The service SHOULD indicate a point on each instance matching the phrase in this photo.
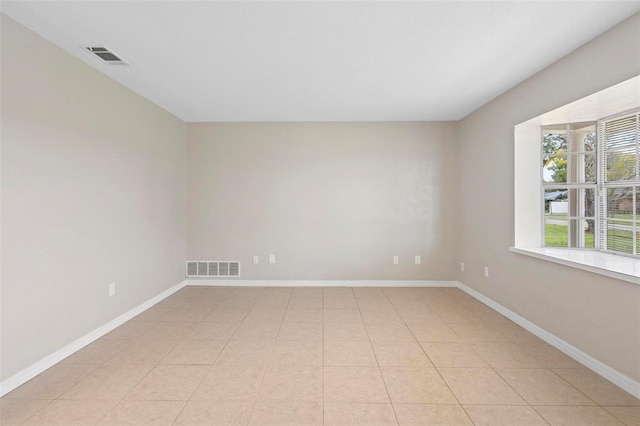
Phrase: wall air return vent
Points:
(106, 55)
(212, 268)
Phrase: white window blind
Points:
(619, 183)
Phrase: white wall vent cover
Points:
(210, 268)
(106, 55)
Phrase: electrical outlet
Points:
(112, 289)
(256, 260)
(396, 260)
(272, 259)
(462, 266)
(486, 272)
(418, 260)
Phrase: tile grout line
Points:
(268, 362)
(432, 363)
(255, 400)
(384, 383)
(500, 376)
(210, 366)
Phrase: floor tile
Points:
(153, 314)
(251, 330)
(52, 383)
(300, 331)
(416, 385)
(543, 387)
(69, 412)
(230, 384)
(479, 386)
(434, 332)
(169, 383)
(170, 330)
(189, 313)
(419, 316)
(354, 384)
(295, 413)
(265, 314)
(194, 352)
(339, 303)
(307, 293)
(146, 352)
(630, 416)
(97, 352)
(431, 414)
(17, 411)
(303, 315)
(577, 416)
(246, 353)
(375, 304)
(345, 331)
(297, 352)
(237, 303)
(291, 383)
(281, 355)
(368, 293)
(108, 382)
(549, 356)
(305, 302)
(474, 333)
(213, 330)
(199, 413)
(504, 415)
(505, 355)
(514, 332)
(456, 315)
(349, 353)
(226, 315)
(142, 413)
(381, 316)
(400, 354)
(452, 355)
(597, 388)
(389, 333)
(342, 316)
(348, 414)
(130, 330)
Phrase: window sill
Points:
(611, 265)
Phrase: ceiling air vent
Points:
(212, 268)
(106, 55)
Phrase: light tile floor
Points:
(350, 356)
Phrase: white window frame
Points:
(568, 186)
(603, 184)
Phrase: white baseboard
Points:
(50, 360)
(320, 283)
(625, 382)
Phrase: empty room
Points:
(320, 213)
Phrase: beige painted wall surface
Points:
(598, 315)
(93, 192)
(332, 201)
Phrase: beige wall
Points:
(332, 201)
(93, 192)
(599, 315)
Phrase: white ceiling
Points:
(321, 60)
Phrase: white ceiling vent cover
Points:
(213, 268)
(106, 55)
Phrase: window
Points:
(591, 184)
(569, 182)
(577, 184)
(620, 183)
